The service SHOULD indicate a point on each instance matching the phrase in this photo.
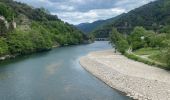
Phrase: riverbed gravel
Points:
(139, 81)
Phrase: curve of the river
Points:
(54, 75)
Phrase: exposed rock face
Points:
(23, 22)
(5, 25)
(5, 21)
(14, 24)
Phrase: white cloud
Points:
(80, 11)
(90, 16)
(66, 8)
(78, 1)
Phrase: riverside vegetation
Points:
(145, 46)
(152, 16)
(24, 29)
(142, 34)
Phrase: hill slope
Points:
(151, 16)
(89, 27)
(26, 29)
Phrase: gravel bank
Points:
(137, 80)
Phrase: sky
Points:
(82, 11)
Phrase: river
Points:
(54, 75)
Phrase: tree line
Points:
(141, 38)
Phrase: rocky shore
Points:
(139, 81)
(6, 57)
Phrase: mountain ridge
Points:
(89, 27)
(151, 16)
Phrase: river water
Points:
(54, 75)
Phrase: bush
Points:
(3, 47)
(6, 11)
(168, 58)
(24, 42)
(122, 45)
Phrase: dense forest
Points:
(24, 29)
(152, 16)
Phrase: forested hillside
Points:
(152, 16)
(147, 32)
(24, 29)
(89, 27)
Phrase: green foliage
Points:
(62, 33)
(6, 11)
(152, 16)
(3, 28)
(165, 29)
(168, 57)
(21, 42)
(146, 61)
(3, 47)
(37, 30)
(141, 38)
(156, 40)
(119, 41)
(155, 46)
(147, 51)
(122, 45)
(136, 36)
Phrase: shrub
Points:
(168, 58)
(122, 45)
(3, 47)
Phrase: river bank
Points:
(51, 75)
(137, 80)
(12, 56)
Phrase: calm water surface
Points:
(54, 75)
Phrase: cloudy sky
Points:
(80, 11)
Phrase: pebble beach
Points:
(137, 80)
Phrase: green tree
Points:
(118, 41)
(6, 11)
(137, 38)
(165, 29)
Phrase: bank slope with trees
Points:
(24, 29)
(152, 16)
(89, 27)
(144, 45)
(142, 34)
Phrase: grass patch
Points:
(153, 54)
(159, 57)
(147, 51)
(146, 61)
